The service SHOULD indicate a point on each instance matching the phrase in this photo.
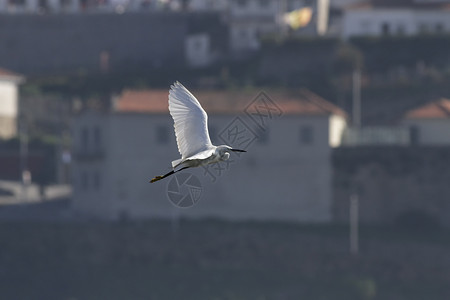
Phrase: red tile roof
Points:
(300, 102)
(435, 110)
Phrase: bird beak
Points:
(238, 150)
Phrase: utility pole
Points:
(282, 27)
(25, 175)
(356, 109)
(323, 8)
(354, 220)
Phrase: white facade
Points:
(344, 3)
(8, 98)
(429, 131)
(285, 175)
(337, 126)
(394, 21)
(249, 20)
(9, 103)
(429, 124)
(36, 6)
(208, 5)
(78, 6)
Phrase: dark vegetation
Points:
(220, 260)
(400, 72)
(41, 160)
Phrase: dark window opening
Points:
(84, 139)
(306, 135)
(84, 181)
(162, 135)
(385, 29)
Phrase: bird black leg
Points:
(166, 175)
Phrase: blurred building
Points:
(129, 42)
(208, 5)
(396, 18)
(430, 124)
(251, 20)
(35, 6)
(9, 103)
(82, 6)
(286, 174)
(399, 171)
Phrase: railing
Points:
(376, 135)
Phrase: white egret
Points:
(191, 131)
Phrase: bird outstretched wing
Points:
(190, 121)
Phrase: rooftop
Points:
(396, 4)
(439, 109)
(299, 102)
(9, 75)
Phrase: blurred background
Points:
(342, 105)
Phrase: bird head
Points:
(224, 151)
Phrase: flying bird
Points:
(191, 131)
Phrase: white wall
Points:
(8, 109)
(251, 21)
(8, 98)
(431, 19)
(337, 126)
(216, 5)
(323, 8)
(370, 22)
(400, 21)
(254, 8)
(431, 131)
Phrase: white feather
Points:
(190, 122)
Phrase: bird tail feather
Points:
(176, 163)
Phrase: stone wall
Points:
(393, 183)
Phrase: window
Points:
(414, 135)
(84, 181)
(97, 138)
(423, 28)
(198, 44)
(264, 3)
(307, 134)
(385, 29)
(162, 135)
(96, 180)
(401, 29)
(241, 3)
(243, 33)
(43, 4)
(65, 3)
(262, 136)
(84, 139)
(17, 2)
